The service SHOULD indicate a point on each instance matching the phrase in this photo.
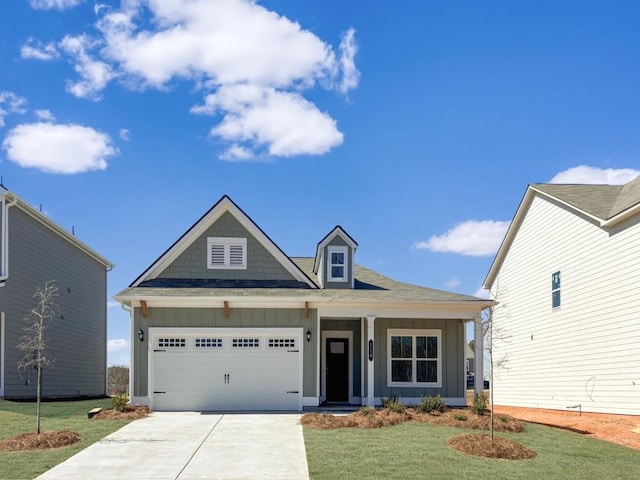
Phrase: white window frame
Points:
(415, 333)
(556, 289)
(226, 243)
(345, 252)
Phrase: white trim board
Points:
(2, 345)
(348, 334)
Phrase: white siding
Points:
(587, 351)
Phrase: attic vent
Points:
(226, 253)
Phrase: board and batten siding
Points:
(77, 336)
(452, 357)
(214, 318)
(192, 263)
(586, 352)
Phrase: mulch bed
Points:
(384, 418)
(480, 445)
(39, 441)
(131, 412)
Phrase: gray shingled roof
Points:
(602, 201)
(369, 286)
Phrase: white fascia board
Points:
(519, 217)
(630, 212)
(337, 231)
(223, 206)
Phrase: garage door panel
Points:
(258, 369)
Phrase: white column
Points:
(371, 401)
(478, 356)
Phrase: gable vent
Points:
(227, 253)
(236, 254)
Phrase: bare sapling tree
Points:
(33, 343)
(118, 378)
(494, 335)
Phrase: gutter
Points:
(4, 242)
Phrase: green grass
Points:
(19, 417)
(418, 451)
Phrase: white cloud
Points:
(39, 51)
(453, 283)
(482, 293)
(348, 51)
(584, 174)
(223, 47)
(118, 345)
(45, 115)
(54, 4)
(94, 74)
(283, 122)
(58, 148)
(11, 103)
(474, 238)
(124, 134)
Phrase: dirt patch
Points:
(480, 445)
(612, 428)
(131, 412)
(383, 418)
(39, 441)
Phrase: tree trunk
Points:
(38, 394)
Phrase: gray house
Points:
(33, 250)
(225, 320)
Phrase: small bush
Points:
(430, 404)
(479, 406)
(503, 418)
(391, 399)
(460, 416)
(395, 405)
(119, 402)
(367, 411)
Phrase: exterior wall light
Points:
(141, 335)
(308, 335)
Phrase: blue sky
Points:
(415, 125)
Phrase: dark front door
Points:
(337, 370)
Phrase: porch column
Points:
(478, 338)
(371, 401)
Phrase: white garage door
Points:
(225, 369)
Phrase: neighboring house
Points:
(567, 283)
(470, 360)
(225, 320)
(34, 250)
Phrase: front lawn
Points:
(19, 417)
(418, 451)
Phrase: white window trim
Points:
(338, 249)
(226, 242)
(415, 333)
(558, 289)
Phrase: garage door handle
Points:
(293, 391)
(156, 350)
(293, 351)
(159, 392)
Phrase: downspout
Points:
(4, 256)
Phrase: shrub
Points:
(430, 403)
(393, 404)
(479, 406)
(367, 411)
(503, 418)
(460, 416)
(119, 402)
(391, 399)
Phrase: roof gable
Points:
(605, 204)
(224, 208)
(337, 231)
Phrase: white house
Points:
(567, 283)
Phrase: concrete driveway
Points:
(190, 445)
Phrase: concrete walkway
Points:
(190, 445)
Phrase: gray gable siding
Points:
(77, 337)
(453, 348)
(337, 241)
(214, 318)
(192, 263)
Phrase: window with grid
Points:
(282, 343)
(245, 343)
(338, 268)
(226, 253)
(414, 358)
(208, 343)
(555, 289)
(172, 342)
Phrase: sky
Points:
(416, 126)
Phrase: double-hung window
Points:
(414, 358)
(226, 253)
(555, 289)
(338, 268)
